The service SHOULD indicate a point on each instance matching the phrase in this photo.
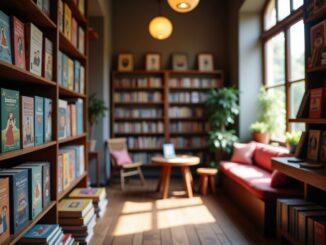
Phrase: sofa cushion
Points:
(279, 179)
(264, 153)
(256, 180)
(121, 157)
(242, 153)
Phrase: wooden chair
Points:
(125, 170)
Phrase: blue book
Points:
(79, 116)
(77, 76)
(39, 120)
(5, 38)
(46, 182)
(19, 199)
(65, 70)
(60, 57)
(40, 233)
(47, 120)
(34, 188)
(62, 119)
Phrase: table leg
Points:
(159, 183)
(187, 177)
(166, 181)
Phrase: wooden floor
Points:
(137, 216)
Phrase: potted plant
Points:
(259, 132)
(222, 107)
(292, 139)
(96, 110)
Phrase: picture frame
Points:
(125, 62)
(318, 36)
(153, 62)
(180, 62)
(205, 62)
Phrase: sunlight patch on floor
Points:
(137, 207)
(133, 223)
(178, 202)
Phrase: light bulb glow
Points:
(160, 28)
(183, 6)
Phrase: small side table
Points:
(205, 174)
(96, 155)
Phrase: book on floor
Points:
(27, 117)
(34, 48)
(96, 194)
(74, 208)
(18, 37)
(39, 120)
(48, 107)
(4, 210)
(78, 221)
(5, 38)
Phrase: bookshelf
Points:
(27, 83)
(314, 180)
(157, 120)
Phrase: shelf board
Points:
(192, 88)
(72, 185)
(319, 68)
(316, 17)
(75, 12)
(138, 119)
(308, 120)
(15, 238)
(73, 138)
(22, 152)
(314, 177)
(145, 149)
(196, 72)
(67, 92)
(188, 119)
(138, 104)
(14, 73)
(187, 133)
(138, 89)
(186, 104)
(138, 72)
(69, 49)
(28, 11)
(137, 134)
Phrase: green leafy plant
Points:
(222, 107)
(258, 127)
(96, 110)
(292, 138)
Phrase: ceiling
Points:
(252, 6)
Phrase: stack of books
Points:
(43, 234)
(77, 217)
(98, 195)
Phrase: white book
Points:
(34, 48)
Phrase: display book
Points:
(77, 216)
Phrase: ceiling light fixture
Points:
(160, 27)
(183, 6)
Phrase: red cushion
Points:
(264, 153)
(242, 153)
(256, 180)
(279, 179)
(121, 157)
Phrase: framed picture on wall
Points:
(180, 62)
(125, 62)
(205, 62)
(153, 61)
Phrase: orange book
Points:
(316, 103)
(4, 210)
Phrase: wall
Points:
(202, 30)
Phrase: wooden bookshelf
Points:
(27, 83)
(202, 82)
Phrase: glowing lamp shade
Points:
(183, 6)
(160, 28)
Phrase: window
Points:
(284, 52)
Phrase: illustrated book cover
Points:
(39, 120)
(18, 37)
(27, 115)
(5, 38)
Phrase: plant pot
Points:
(91, 145)
(261, 137)
(292, 148)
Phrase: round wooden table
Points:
(181, 161)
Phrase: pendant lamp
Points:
(183, 6)
(160, 27)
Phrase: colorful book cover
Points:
(47, 120)
(81, 6)
(27, 114)
(19, 199)
(313, 145)
(46, 7)
(48, 59)
(5, 38)
(41, 233)
(72, 162)
(68, 126)
(81, 40)
(81, 159)
(46, 183)
(316, 103)
(77, 161)
(74, 207)
(73, 120)
(34, 188)
(67, 21)
(4, 210)
(60, 15)
(10, 120)
(65, 70)
(65, 166)
(96, 194)
(18, 33)
(318, 36)
(82, 80)
(39, 120)
(34, 48)
(74, 32)
(39, 3)
(70, 74)
(60, 174)
(62, 119)
(76, 76)
(59, 73)
(79, 116)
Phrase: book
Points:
(320, 232)
(39, 3)
(62, 119)
(48, 119)
(67, 21)
(313, 145)
(79, 116)
(46, 7)
(60, 69)
(39, 120)
(60, 15)
(34, 48)
(303, 109)
(5, 38)
(302, 223)
(316, 103)
(70, 80)
(81, 6)
(60, 174)
(311, 228)
(299, 150)
(4, 210)
(322, 151)
(46, 183)
(74, 208)
(77, 76)
(67, 239)
(48, 59)
(27, 115)
(65, 167)
(68, 126)
(19, 199)
(82, 80)
(10, 120)
(73, 119)
(81, 40)
(72, 163)
(77, 221)
(18, 37)
(318, 36)
(34, 188)
(74, 32)
(65, 70)
(40, 233)
(96, 194)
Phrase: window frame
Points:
(266, 35)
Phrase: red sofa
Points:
(256, 187)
